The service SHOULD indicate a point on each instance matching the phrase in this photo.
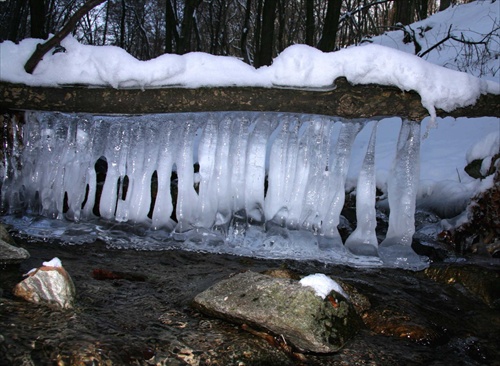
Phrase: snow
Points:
(473, 21)
(322, 285)
(54, 262)
(486, 147)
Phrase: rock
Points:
(284, 307)
(282, 273)
(480, 281)
(394, 323)
(49, 284)
(10, 254)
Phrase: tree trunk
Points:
(170, 27)
(346, 100)
(15, 21)
(423, 6)
(184, 44)
(310, 22)
(37, 9)
(257, 32)
(106, 20)
(444, 4)
(329, 36)
(122, 25)
(245, 53)
(403, 12)
(281, 24)
(267, 33)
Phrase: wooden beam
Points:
(346, 100)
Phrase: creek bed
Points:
(145, 317)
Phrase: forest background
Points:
(252, 30)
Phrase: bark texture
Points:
(345, 100)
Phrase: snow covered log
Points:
(346, 100)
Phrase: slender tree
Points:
(245, 53)
(37, 10)
(122, 24)
(309, 22)
(444, 4)
(171, 34)
(329, 36)
(188, 22)
(267, 33)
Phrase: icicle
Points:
(282, 171)
(302, 168)
(116, 155)
(402, 188)
(322, 133)
(255, 164)
(168, 142)
(363, 240)
(206, 159)
(237, 160)
(222, 173)
(335, 195)
(187, 198)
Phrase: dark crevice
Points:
(154, 192)
(101, 169)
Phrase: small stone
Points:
(285, 308)
(47, 285)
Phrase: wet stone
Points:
(480, 281)
(47, 285)
(283, 307)
(398, 323)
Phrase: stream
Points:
(144, 316)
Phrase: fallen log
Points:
(345, 100)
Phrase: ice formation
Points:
(260, 184)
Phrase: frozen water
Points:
(258, 184)
(402, 188)
(363, 240)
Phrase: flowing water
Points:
(143, 316)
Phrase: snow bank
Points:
(485, 148)
(473, 21)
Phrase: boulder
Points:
(9, 253)
(283, 307)
(49, 284)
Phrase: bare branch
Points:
(43, 48)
